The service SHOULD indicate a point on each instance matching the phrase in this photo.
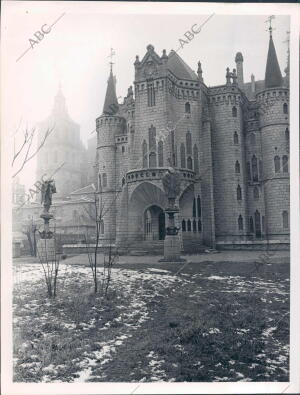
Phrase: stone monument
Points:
(46, 244)
(171, 184)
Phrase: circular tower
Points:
(108, 126)
(226, 106)
(274, 125)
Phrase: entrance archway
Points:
(154, 223)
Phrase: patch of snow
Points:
(267, 332)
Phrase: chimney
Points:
(252, 83)
(239, 68)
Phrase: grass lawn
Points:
(212, 322)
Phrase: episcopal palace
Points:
(230, 144)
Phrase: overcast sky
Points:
(75, 52)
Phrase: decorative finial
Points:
(164, 54)
(112, 53)
(234, 77)
(150, 48)
(228, 75)
(199, 71)
(269, 20)
(137, 60)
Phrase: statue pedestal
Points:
(172, 249)
(46, 250)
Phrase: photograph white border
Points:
(10, 388)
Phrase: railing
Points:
(156, 174)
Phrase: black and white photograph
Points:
(149, 197)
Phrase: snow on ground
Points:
(146, 285)
(135, 314)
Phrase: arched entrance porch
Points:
(154, 223)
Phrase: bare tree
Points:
(26, 151)
(50, 265)
(30, 229)
(97, 214)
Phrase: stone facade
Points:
(230, 143)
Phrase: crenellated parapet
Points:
(109, 120)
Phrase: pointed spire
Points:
(273, 77)
(60, 107)
(287, 69)
(111, 105)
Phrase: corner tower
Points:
(108, 126)
(274, 126)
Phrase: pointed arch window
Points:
(251, 225)
(285, 220)
(99, 182)
(257, 223)
(183, 225)
(152, 138)
(234, 112)
(187, 108)
(189, 225)
(145, 155)
(104, 180)
(285, 164)
(277, 164)
(182, 156)
(254, 169)
(160, 154)
(152, 159)
(199, 225)
(194, 208)
(263, 224)
(101, 227)
(237, 167)
(240, 223)
(239, 192)
(75, 216)
(194, 226)
(248, 171)
(196, 159)
(199, 206)
(255, 193)
(260, 169)
(235, 138)
(190, 163)
(285, 108)
(287, 135)
(151, 94)
(189, 143)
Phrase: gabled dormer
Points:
(151, 66)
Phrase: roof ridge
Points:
(179, 67)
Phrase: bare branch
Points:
(26, 146)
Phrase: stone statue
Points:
(48, 188)
(171, 183)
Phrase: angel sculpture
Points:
(47, 189)
(171, 183)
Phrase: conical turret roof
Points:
(273, 77)
(111, 105)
